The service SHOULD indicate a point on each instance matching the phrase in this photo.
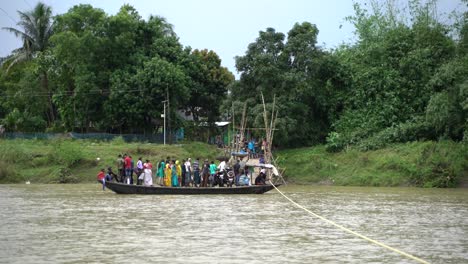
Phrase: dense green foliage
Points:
(406, 80)
(109, 73)
(422, 164)
(71, 161)
(403, 79)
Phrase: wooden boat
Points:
(121, 188)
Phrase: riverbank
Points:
(74, 161)
(421, 164)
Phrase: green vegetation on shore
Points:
(403, 78)
(72, 161)
(421, 164)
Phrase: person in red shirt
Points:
(128, 168)
(101, 177)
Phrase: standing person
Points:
(128, 168)
(222, 170)
(183, 183)
(205, 173)
(196, 173)
(188, 172)
(212, 173)
(236, 169)
(148, 178)
(251, 146)
(179, 172)
(139, 170)
(119, 166)
(160, 172)
(222, 165)
(132, 168)
(168, 174)
(174, 179)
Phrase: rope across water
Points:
(351, 231)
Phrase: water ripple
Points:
(80, 223)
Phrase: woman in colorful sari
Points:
(160, 172)
(175, 180)
(179, 172)
(168, 174)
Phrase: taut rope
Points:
(351, 231)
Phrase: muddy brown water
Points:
(82, 224)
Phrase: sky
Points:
(226, 27)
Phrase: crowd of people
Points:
(188, 173)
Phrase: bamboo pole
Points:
(233, 130)
(272, 116)
(267, 132)
(274, 127)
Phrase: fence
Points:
(153, 138)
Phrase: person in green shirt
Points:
(160, 172)
(212, 173)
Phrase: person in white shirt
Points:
(188, 172)
(139, 170)
(222, 166)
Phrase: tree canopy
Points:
(403, 79)
(109, 73)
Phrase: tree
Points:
(35, 31)
(297, 73)
(80, 69)
(390, 68)
(209, 81)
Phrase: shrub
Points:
(441, 164)
(334, 142)
(65, 176)
(14, 153)
(118, 140)
(7, 173)
(413, 130)
(66, 153)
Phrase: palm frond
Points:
(13, 60)
(36, 30)
(18, 33)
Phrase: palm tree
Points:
(35, 30)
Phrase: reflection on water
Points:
(81, 223)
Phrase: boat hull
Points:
(139, 189)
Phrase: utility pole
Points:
(164, 115)
(169, 112)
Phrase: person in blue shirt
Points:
(251, 147)
(244, 179)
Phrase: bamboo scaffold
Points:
(239, 135)
(270, 127)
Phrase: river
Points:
(82, 224)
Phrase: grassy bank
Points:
(72, 161)
(424, 164)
